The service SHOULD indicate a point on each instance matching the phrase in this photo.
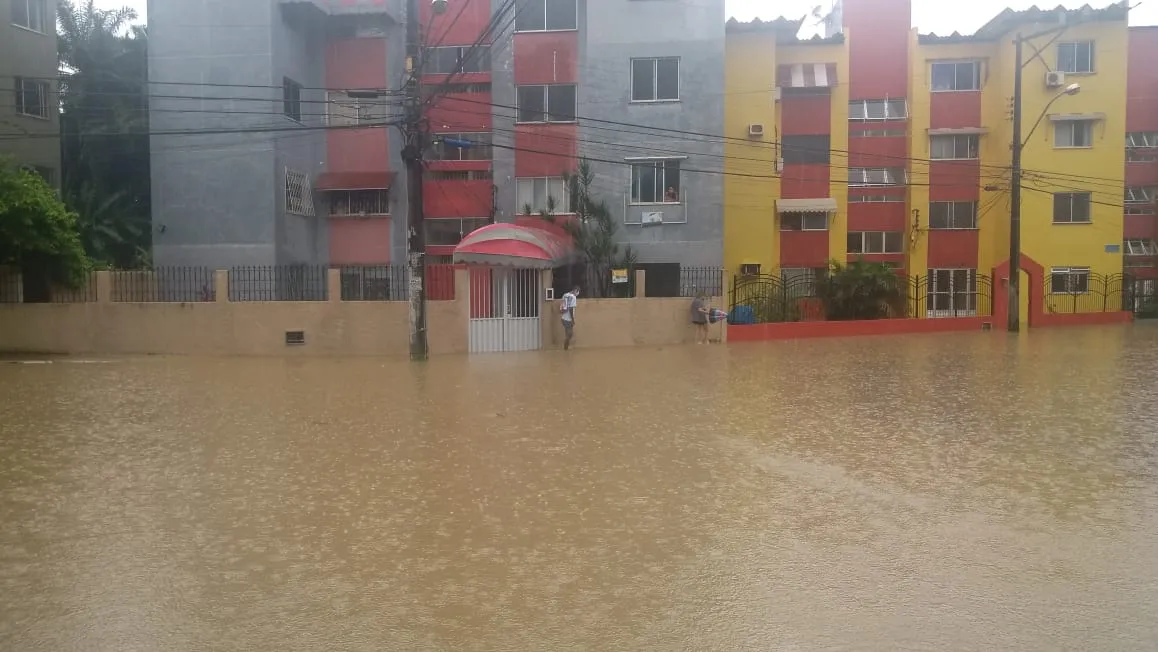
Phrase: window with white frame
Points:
(955, 146)
(546, 103)
(537, 194)
(1138, 209)
(952, 215)
(951, 293)
(474, 146)
(655, 182)
(299, 196)
(802, 275)
(458, 175)
(876, 177)
(1140, 155)
(878, 110)
(359, 202)
(810, 221)
(547, 15)
(1071, 208)
(1073, 133)
(655, 79)
(291, 95)
(347, 109)
(750, 269)
(875, 242)
(32, 97)
(1142, 139)
(32, 14)
(1137, 247)
(875, 198)
(956, 76)
(1075, 56)
(1139, 195)
(447, 232)
(1069, 280)
(457, 58)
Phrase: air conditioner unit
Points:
(755, 130)
(652, 218)
(1055, 79)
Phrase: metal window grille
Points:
(299, 196)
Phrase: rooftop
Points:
(1010, 19)
(784, 28)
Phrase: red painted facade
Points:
(546, 58)
(954, 180)
(953, 249)
(888, 152)
(804, 181)
(806, 115)
(878, 32)
(803, 248)
(954, 109)
(544, 150)
(1142, 116)
(877, 216)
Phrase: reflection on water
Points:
(938, 492)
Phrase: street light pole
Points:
(1014, 323)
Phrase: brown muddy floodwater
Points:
(959, 492)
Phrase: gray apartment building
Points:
(29, 107)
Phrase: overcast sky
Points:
(928, 15)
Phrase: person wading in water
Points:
(567, 313)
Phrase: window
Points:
(1139, 209)
(549, 103)
(1139, 195)
(813, 221)
(877, 133)
(450, 60)
(957, 76)
(461, 147)
(1069, 280)
(1142, 139)
(1075, 57)
(547, 15)
(876, 176)
(346, 109)
(1071, 208)
(32, 97)
(458, 175)
(291, 94)
(875, 198)
(957, 146)
(750, 269)
(875, 242)
(1140, 155)
(31, 14)
(1140, 248)
(542, 194)
(444, 232)
(360, 202)
(806, 149)
(429, 91)
(299, 197)
(791, 275)
(952, 293)
(1073, 133)
(655, 80)
(953, 215)
(655, 182)
(877, 110)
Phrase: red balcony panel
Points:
(440, 250)
(954, 110)
(804, 248)
(545, 150)
(460, 25)
(1148, 272)
(877, 217)
(1139, 226)
(460, 112)
(356, 63)
(355, 241)
(1143, 173)
(547, 58)
(357, 150)
(887, 152)
(457, 166)
(879, 37)
(954, 180)
(1142, 79)
(455, 198)
(801, 181)
(953, 249)
(806, 115)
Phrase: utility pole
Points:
(1015, 198)
(412, 151)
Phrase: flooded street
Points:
(958, 492)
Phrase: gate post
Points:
(547, 312)
(640, 283)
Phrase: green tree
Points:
(104, 128)
(861, 290)
(38, 234)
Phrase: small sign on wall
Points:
(1113, 248)
(619, 276)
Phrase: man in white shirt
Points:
(567, 313)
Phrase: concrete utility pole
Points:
(1014, 321)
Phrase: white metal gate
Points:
(505, 306)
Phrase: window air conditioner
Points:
(755, 130)
(1055, 79)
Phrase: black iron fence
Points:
(83, 293)
(278, 283)
(163, 284)
(1078, 291)
(374, 282)
(10, 285)
(948, 293)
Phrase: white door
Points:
(505, 310)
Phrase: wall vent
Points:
(295, 337)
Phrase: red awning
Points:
(354, 181)
(514, 245)
(806, 75)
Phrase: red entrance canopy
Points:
(514, 245)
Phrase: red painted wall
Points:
(878, 48)
(457, 198)
(1139, 226)
(357, 63)
(359, 241)
(804, 181)
(805, 115)
(803, 248)
(545, 150)
(1142, 173)
(890, 152)
(953, 110)
(954, 180)
(461, 112)
(547, 58)
(1142, 80)
(877, 216)
(952, 249)
(460, 24)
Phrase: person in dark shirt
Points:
(700, 317)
